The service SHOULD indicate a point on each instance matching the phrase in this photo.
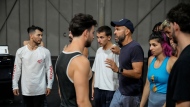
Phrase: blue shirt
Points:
(158, 77)
(130, 53)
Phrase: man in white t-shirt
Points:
(33, 63)
(105, 81)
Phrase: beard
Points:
(37, 43)
(174, 37)
(88, 43)
(120, 40)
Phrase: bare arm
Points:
(146, 92)
(81, 80)
(146, 89)
(171, 62)
(58, 86)
(136, 72)
(93, 86)
(183, 104)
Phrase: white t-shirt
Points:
(105, 78)
(33, 66)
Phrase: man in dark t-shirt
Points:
(178, 90)
(130, 66)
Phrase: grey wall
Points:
(54, 16)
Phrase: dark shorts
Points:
(102, 98)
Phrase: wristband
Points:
(120, 71)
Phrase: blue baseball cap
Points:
(123, 22)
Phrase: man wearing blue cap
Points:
(130, 66)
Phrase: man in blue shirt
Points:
(130, 66)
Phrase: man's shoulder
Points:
(99, 49)
(80, 60)
(44, 49)
(135, 44)
(21, 49)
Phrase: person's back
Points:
(74, 88)
(65, 84)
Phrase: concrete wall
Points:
(54, 16)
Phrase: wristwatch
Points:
(120, 71)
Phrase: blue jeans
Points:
(156, 99)
(120, 100)
(102, 98)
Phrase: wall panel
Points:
(3, 38)
(91, 8)
(65, 8)
(79, 6)
(54, 16)
(24, 20)
(118, 12)
(39, 16)
(52, 29)
(13, 34)
(144, 27)
(132, 15)
(158, 14)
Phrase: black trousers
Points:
(34, 101)
(102, 98)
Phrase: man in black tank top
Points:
(72, 68)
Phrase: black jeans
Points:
(102, 98)
(34, 101)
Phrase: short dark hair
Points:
(181, 15)
(105, 29)
(33, 28)
(156, 26)
(80, 23)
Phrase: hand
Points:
(115, 49)
(164, 105)
(16, 92)
(112, 65)
(92, 98)
(48, 90)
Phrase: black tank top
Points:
(67, 89)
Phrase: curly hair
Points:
(181, 15)
(80, 23)
(163, 40)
